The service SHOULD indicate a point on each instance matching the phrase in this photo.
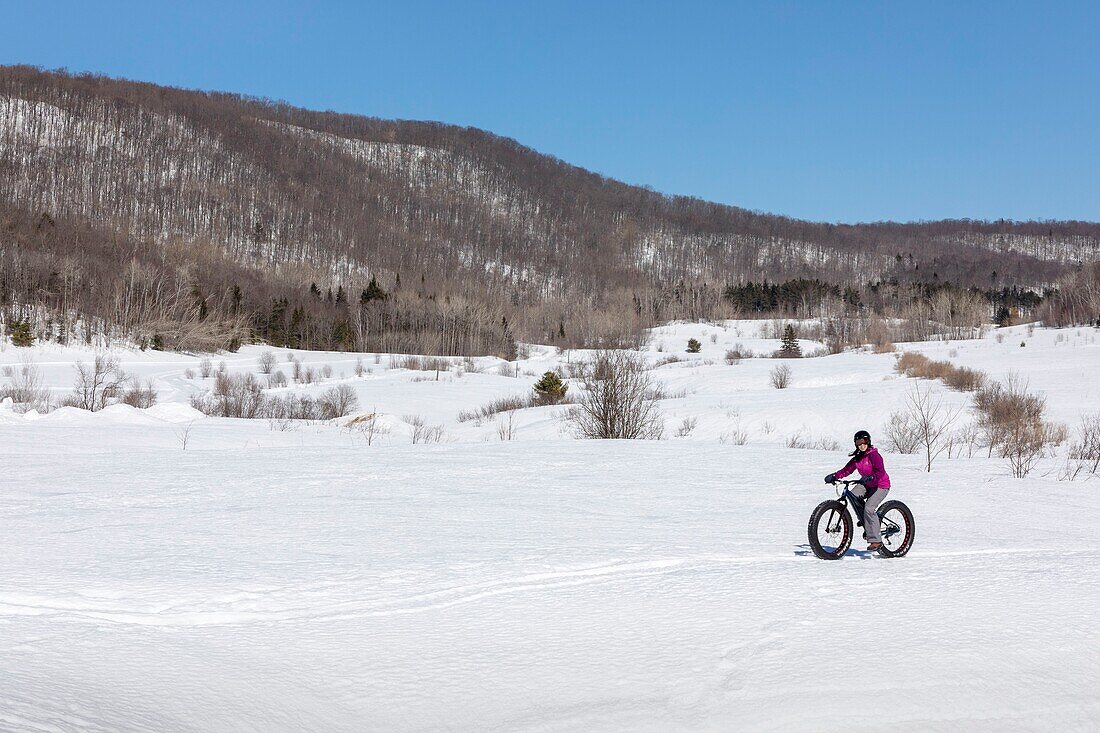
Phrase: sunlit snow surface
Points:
(270, 579)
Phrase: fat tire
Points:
(821, 514)
(911, 528)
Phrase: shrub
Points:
(206, 368)
(502, 404)
(687, 427)
(25, 388)
(1087, 447)
(550, 390)
(266, 362)
(781, 376)
(694, 346)
(140, 395)
(337, 401)
(1011, 420)
(618, 399)
(733, 357)
(901, 433)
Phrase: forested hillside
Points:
(201, 220)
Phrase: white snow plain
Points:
(277, 576)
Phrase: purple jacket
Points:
(869, 465)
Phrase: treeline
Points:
(193, 220)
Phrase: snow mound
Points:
(174, 412)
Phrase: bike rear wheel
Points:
(898, 528)
(830, 530)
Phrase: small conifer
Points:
(550, 390)
(694, 346)
(790, 348)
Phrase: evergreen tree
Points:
(790, 348)
(694, 346)
(550, 390)
(373, 292)
(21, 334)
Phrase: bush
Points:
(140, 395)
(618, 399)
(25, 388)
(1086, 449)
(242, 396)
(267, 362)
(694, 346)
(733, 356)
(337, 401)
(919, 366)
(503, 404)
(781, 376)
(1011, 420)
(550, 390)
(901, 433)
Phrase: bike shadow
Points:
(805, 550)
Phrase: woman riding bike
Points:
(874, 483)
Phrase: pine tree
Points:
(694, 346)
(21, 334)
(550, 390)
(373, 292)
(790, 348)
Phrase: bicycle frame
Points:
(887, 528)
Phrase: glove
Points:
(831, 478)
(864, 481)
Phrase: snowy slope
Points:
(276, 577)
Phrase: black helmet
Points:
(862, 434)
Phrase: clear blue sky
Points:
(836, 111)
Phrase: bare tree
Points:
(99, 384)
(618, 398)
(183, 434)
(931, 422)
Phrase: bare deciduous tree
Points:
(618, 398)
(98, 384)
(931, 420)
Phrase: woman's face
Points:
(862, 444)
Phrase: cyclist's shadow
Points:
(804, 550)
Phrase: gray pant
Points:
(871, 526)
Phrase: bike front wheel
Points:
(830, 530)
(898, 528)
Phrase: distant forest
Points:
(195, 220)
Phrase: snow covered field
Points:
(291, 577)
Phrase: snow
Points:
(291, 577)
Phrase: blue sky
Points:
(835, 111)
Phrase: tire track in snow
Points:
(438, 600)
